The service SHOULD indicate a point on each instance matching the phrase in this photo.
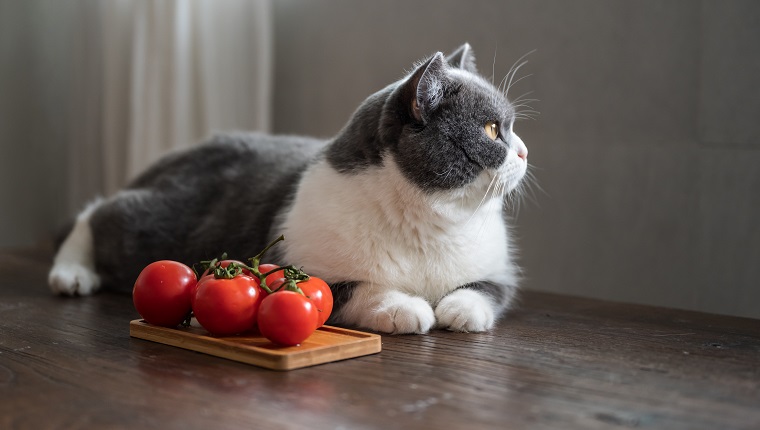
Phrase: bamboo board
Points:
(325, 345)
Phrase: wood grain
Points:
(325, 345)
(554, 362)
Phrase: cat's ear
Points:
(463, 58)
(426, 87)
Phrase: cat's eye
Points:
(492, 130)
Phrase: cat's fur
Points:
(402, 212)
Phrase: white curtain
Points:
(153, 76)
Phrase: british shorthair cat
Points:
(402, 212)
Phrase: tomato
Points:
(319, 292)
(206, 274)
(316, 290)
(287, 318)
(227, 306)
(162, 292)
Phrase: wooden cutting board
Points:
(323, 346)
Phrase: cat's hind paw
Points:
(401, 314)
(466, 311)
(73, 279)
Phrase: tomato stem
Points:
(208, 264)
(290, 285)
(264, 275)
(285, 269)
(292, 274)
(293, 286)
(233, 269)
(256, 260)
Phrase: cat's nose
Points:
(519, 145)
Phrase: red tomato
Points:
(206, 274)
(227, 306)
(162, 292)
(287, 318)
(319, 292)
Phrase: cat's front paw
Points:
(72, 279)
(399, 313)
(465, 310)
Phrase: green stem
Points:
(267, 289)
(290, 272)
(263, 277)
(256, 260)
(294, 287)
(291, 285)
(229, 272)
(283, 268)
(208, 264)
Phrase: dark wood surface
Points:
(555, 362)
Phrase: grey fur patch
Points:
(342, 292)
(500, 294)
(222, 196)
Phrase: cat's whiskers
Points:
(527, 114)
(522, 102)
(523, 110)
(523, 190)
(512, 200)
(485, 196)
(498, 177)
(499, 185)
(524, 117)
(447, 174)
(516, 106)
(506, 92)
(521, 99)
(530, 182)
(509, 84)
(515, 67)
(521, 194)
(503, 82)
(493, 66)
(512, 70)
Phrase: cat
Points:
(402, 212)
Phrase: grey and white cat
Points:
(402, 213)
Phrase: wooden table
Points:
(556, 362)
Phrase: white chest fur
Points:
(376, 227)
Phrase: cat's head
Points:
(444, 125)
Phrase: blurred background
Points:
(647, 146)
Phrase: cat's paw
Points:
(465, 310)
(73, 279)
(399, 313)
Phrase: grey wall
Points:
(647, 146)
(35, 41)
